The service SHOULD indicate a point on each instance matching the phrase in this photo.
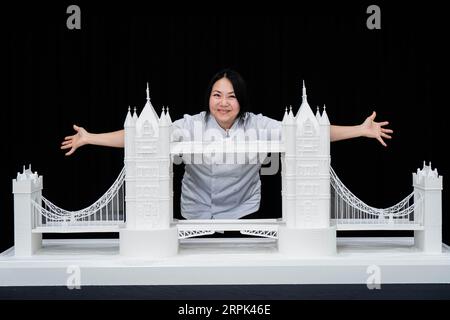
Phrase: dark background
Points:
(54, 77)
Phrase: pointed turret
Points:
(291, 118)
(291, 114)
(304, 109)
(130, 133)
(129, 119)
(163, 121)
(27, 174)
(324, 124)
(149, 104)
(148, 93)
(427, 172)
(285, 117)
(289, 132)
(318, 114)
(305, 119)
(148, 119)
(324, 118)
(169, 119)
(304, 99)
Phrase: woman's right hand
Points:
(77, 140)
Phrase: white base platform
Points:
(225, 261)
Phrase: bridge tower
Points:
(306, 182)
(27, 187)
(428, 199)
(148, 230)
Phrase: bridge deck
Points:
(232, 225)
(375, 224)
(78, 229)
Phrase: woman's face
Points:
(223, 104)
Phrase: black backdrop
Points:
(55, 77)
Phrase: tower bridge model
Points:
(300, 247)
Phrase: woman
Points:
(224, 191)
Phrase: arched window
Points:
(148, 129)
(308, 128)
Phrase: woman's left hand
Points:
(372, 129)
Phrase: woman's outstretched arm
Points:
(83, 137)
(369, 128)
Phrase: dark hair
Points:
(239, 87)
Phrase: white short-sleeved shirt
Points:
(222, 191)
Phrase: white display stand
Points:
(225, 261)
(301, 247)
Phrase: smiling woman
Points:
(214, 190)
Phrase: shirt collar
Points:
(233, 126)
